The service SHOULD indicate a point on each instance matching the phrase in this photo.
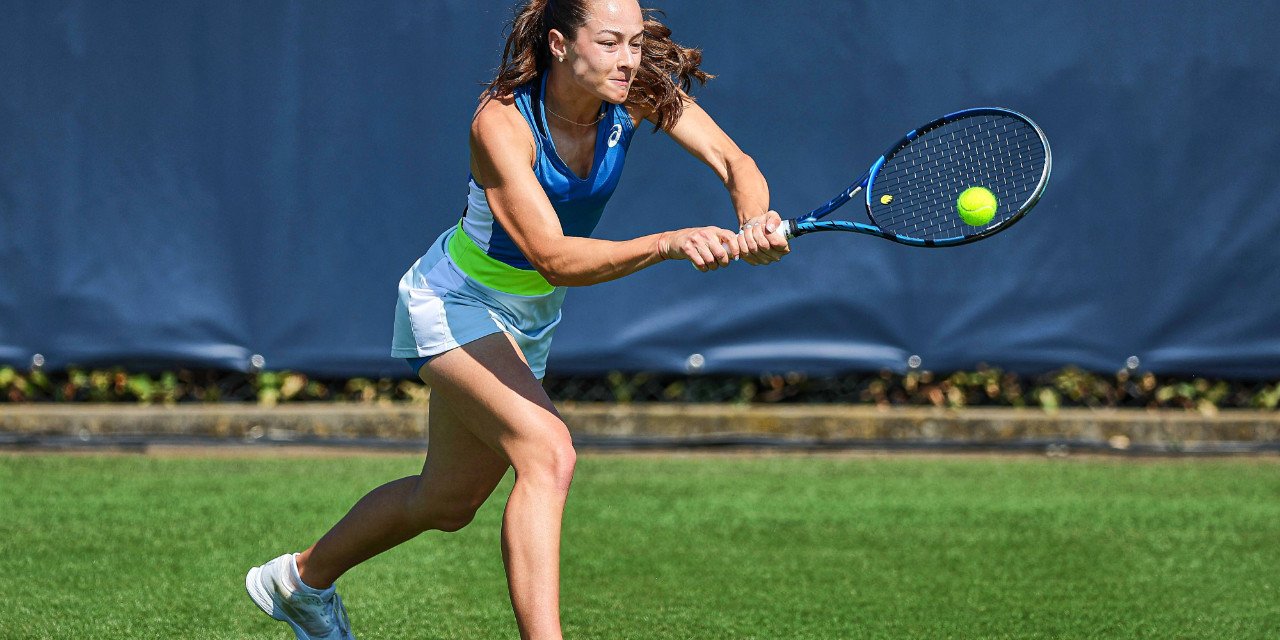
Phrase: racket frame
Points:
(812, 221)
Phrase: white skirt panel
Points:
(440, 308)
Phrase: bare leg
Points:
(491, 379)
(459, 474)
(488, 412)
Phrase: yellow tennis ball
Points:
(977, 206)
(886, 199)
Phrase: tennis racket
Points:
(912, 191)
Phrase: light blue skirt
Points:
(441, 308)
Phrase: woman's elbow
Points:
(557, 278)
(556, 272)
(568, 280)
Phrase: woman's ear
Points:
(557, 44)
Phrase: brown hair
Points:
(664, 65)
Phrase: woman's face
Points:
(605, 52)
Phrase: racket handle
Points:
(786, 229)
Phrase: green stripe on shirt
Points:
(494, 273)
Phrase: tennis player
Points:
(476, 313)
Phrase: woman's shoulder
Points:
(496, 113)
(509, 102)
(498, 124)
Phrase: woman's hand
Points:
(758, 241)
(708, 248)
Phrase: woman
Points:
(476, 312)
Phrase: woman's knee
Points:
(447, 513)
(549, 461)
(450, 520)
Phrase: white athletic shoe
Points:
(313, 614)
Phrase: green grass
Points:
(672, 547)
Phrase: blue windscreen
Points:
(189, 183)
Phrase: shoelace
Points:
(340, 613)
(320, 615)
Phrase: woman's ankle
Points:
(307, 575)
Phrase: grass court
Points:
(667, 546)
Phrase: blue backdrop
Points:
(189, 183)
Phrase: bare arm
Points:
(705, 140)
(502, 151)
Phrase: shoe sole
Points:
(263, 600)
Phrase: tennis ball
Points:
(977, 206)
(886, 199)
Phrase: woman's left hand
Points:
(759, 242)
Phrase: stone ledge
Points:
(815, 425)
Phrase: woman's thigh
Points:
(486, 410)
(487, 387)
(460, 471)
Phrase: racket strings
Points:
(924, 179)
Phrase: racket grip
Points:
(787, 229)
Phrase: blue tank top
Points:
(579, 202)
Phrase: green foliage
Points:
(982, 387)
(1068, 387)
(267, 388)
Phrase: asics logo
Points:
(615, 135)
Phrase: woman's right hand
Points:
(708, 248)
